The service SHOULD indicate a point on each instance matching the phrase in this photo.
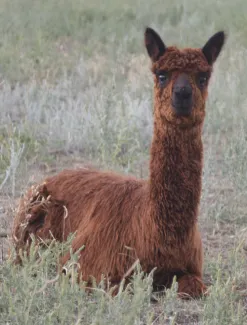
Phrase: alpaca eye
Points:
(163, 78)
(202, 79)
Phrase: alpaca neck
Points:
(175, 178)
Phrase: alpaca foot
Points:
(191, 286)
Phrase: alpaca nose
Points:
(183, 92)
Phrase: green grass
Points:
(75, 88)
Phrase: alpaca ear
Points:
(154, 44)
(212, 48)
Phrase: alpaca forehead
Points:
(186, 60)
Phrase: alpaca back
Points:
(87, 201)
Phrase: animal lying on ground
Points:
(120, 219)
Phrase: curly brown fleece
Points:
(120, 219)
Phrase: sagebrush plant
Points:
(11, 154)
(38, 293)
(74, 82)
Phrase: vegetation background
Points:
(75, 88)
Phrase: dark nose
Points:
(183, 92)
(182, 96)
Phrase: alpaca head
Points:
(181, 78)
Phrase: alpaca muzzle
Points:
(182, 96)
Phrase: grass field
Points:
(75, 88)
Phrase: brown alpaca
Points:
(120, 219)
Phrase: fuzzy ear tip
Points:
(222, 33)
(148, 30)
(222, 36)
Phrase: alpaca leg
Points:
(191, 286)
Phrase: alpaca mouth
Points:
(182, 108)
